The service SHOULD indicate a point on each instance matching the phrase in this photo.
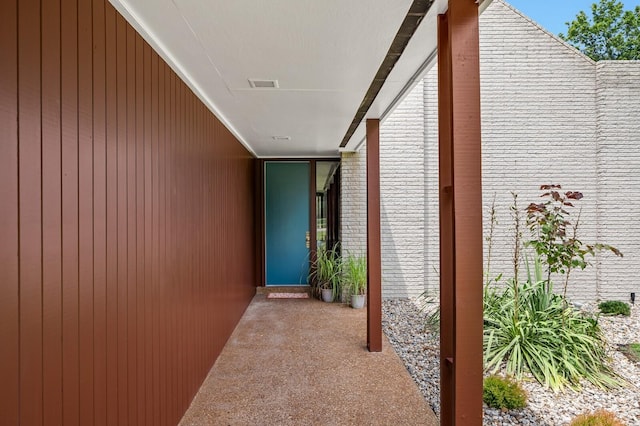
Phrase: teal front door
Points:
(286, 222)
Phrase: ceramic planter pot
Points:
(357, 301)
(327, 295)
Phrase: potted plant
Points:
(355, 279)
(325, 273)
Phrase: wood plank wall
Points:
(127, 231)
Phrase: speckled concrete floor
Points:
(305, 362)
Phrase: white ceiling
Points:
(323, 54)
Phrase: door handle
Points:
(307, 238)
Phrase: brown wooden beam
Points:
(374, 258)
(460, 215)
(446, 224)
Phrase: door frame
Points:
(261, 259)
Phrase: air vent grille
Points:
(263, 84)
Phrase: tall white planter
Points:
(357, 301)
(327, 295)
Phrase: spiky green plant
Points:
(429, 306)
(529, 328)
(546, 337)
(354, 273)
(326, 270)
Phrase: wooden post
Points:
(447, 255)
(374, 259)
(460, 215)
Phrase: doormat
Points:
(287, 296)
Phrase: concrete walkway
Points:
(305, 362)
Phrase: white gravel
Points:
(418, 347)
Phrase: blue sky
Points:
(552, 14)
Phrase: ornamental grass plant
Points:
(528, 328)
(326, 270)
(354, 274)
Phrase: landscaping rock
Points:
(418, 347)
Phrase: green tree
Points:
(609, 33)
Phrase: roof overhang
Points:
(324, 56)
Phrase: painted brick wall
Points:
(402, 199)
(539, 125)
(618, 169)
(430, 180)
(353, 198)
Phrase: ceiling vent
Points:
(281, 138)
(263, 84)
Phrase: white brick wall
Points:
(402, 197)
(540, 124)
(430, 179)
(618, 151)
(401, 194)
(538, 127)
(353, 197)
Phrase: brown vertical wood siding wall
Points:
(127, 228)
